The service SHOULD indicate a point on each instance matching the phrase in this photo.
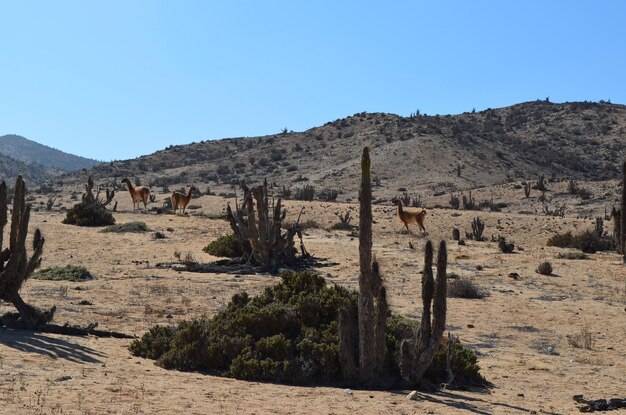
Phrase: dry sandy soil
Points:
(512, 329)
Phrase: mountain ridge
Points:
(29, 151)
(440, 153)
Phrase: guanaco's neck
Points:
(189, 193)
(130, 187)
(399, 207)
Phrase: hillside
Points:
(580, 140)
(23, 149)
(32, 172)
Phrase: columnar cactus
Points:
(372, 303)
(478, 226)
(15, 265)
(416, 356)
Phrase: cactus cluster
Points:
(364, 359)
(15, 265)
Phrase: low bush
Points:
(225, 246)
(544, 268)
(92, 214)
(572, 255)
(134, 227)
(465, 288)
(587, 241)
(328, 195)
(287, 334)
(66, 273)
(307, 193)
(504, 246)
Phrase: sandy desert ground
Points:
(521, 331)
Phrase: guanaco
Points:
(138, 194)
(410, 216)
(182, 200)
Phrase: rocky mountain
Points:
(28, 151)
(32, 172)
(420, 153)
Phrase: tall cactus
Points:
(478, 226)
(417, 355)
(15, 266)
(616, 216)
(372, 303)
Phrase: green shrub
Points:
(135, 227)
(92, 214)
(465, 288)
(328, 195)
(464, 364)
(307, 193)
(226, 246)
(66, 273)
(587, 241)
(544, 268)
(287, 334)
(504, 246)
(562, 240)
(572, 255)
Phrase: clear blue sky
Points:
(118, 79)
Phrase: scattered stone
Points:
(599, 404)
(470, 326)
(414, 396)
(62, 378)
(348, 391)
(515, 276)
(551, 350)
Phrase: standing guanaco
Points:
(138, 194)
(182, 200)
(410, 216)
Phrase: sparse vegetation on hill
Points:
(30, 152)
(578, 140)
(11, 168)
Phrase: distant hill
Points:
(23, 149)
(422, 153)
(32, 172)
